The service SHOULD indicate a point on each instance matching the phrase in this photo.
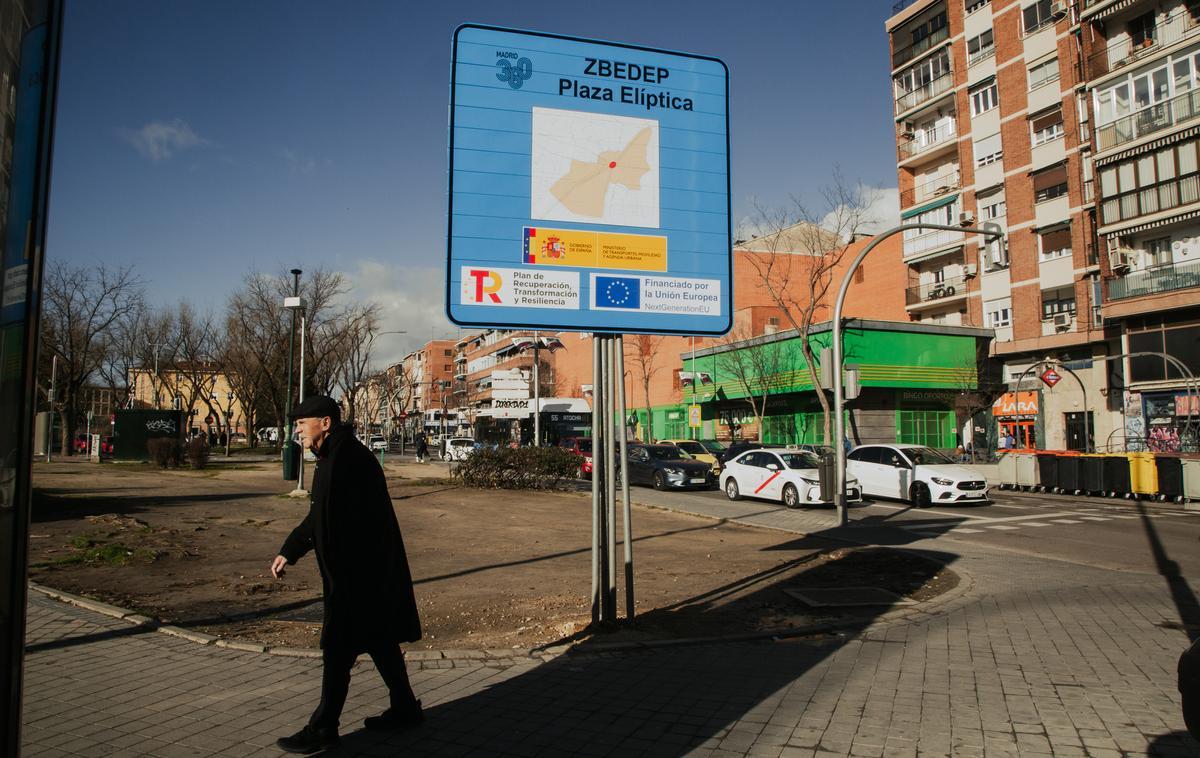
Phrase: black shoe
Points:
(309, 740)
(394, 720)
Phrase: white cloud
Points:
(159, 140)
(299, 164)
(411, 298)
(882, 211)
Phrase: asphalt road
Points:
(1120, 535)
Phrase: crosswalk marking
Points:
(964, 530)
(1033, 523)
(1095, 518)
(1067, 521)
(1002, 527)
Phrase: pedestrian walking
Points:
(367, 587)
(422, 448)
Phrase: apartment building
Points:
(428, 378)
(1141, 60)
(994, 128)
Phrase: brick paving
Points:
(1035, 658)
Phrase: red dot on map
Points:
(612, 164)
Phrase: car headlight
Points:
(941, 481)
(809, 481)
(672, 470)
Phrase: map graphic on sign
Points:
(593, 167)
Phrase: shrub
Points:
(197, 452)
(165, 451)
(525, 468)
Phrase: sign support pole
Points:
(598, 471)
(619, 427)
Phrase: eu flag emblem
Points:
(618, 292)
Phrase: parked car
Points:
(581, 446)
(695, 450)
(665, 467)
(782, 474)
(457, 448)
(920, 475)
(378, 443)
(737, 448)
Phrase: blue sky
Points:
(198, 141)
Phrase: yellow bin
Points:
(1143, 474)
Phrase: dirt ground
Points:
(492, 569)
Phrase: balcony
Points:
(930, 241)
(925, 92)
(1164, 115)
(1157, 197)
(926, 140)
(906, 54)
(935, 187)
(923, 294)
(1127, 49)
(1153, 280)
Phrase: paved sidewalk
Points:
(1036, 658)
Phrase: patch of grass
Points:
(425, 481)
(92, 550)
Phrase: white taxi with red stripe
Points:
(781, 474)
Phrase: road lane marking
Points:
(1066, 521)
(1002, 527)
(1095, 518)
(1033, 523)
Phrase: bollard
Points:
(826, 477)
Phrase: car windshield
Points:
(666, 453)
(713, 446)
(585, 446)
(462, 443)
(694, 448)
(926, 455)
(800, 460)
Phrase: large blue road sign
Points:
(589, 186)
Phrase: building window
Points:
(980, 48)
(448, 353)
(1046, 127)
(1050, 183)
(1043, 73)
(988, 150)
(991, 206)
(1036, 16)
(998, 313)
(933, 428)
(1056, 301)
(1158, 250)
(1152, 335)
(974, 5)
(1141, 30)
(983, 99)
(1054, 244)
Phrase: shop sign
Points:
(1016, 404)
(1051, 377)
(510, 408)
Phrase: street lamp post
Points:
(839, 447)
(287, 409)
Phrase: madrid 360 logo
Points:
(515, 74)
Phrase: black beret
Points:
(317, 406)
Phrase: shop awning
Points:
(918, 210)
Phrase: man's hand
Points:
(278, 566)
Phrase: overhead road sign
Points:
(589, 186)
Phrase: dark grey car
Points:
(665, 467)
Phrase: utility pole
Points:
(53, 388)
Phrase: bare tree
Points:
(351, 350)
(796, 258)
(761, 367)
(641, 350)
(127, 337)
(82, 307)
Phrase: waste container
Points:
(1169, 469)
(1116, 475)
(1091, 473)
(1047, 463)
(1027, 470)
(1191, 478)
(1008, 471)
(1143, 475)
(291, 462)
(1069, 472)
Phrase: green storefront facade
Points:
(912, 376)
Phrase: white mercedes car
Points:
(781, 474)
(921, 475)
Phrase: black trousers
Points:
(335, 683)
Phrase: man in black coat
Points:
(368, 592)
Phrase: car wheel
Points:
(660, 481)
(731, 489)
(920, 496)
(791, 498)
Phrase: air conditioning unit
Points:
(969, 271)
(1059, 9)
(966, 218)
(1118, 260)
(1062, 322)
